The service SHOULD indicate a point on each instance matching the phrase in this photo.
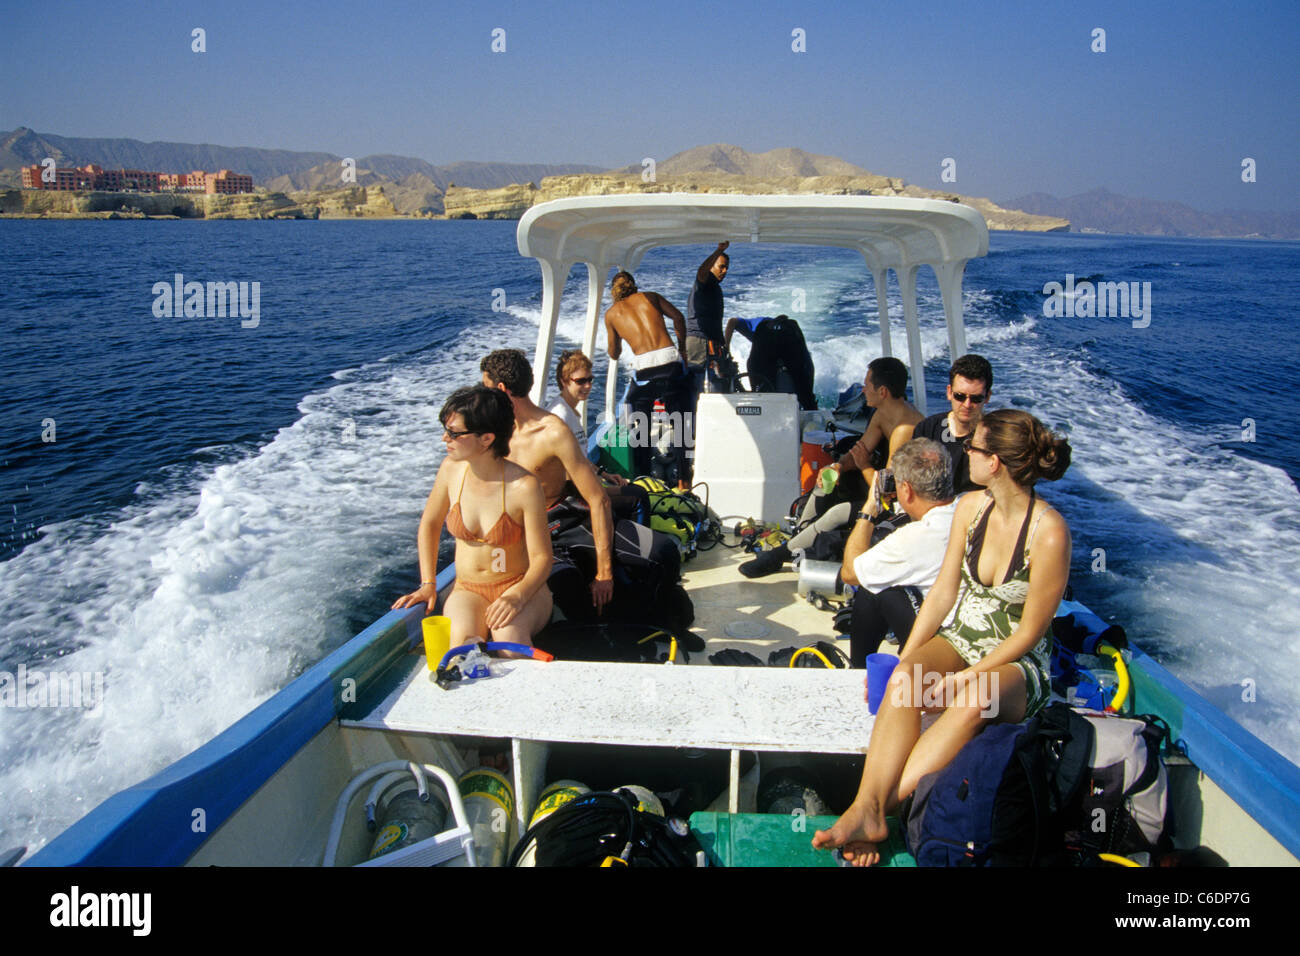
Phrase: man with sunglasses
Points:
(970, 381)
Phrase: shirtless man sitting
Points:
(544, 445)
(890, 428)
(658, 370)
(891, 425)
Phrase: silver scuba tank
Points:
(407, 819)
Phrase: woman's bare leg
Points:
(897, 727)
(962, 720)
(465, 609)
(532, 617)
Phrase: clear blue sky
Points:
(1011, 91)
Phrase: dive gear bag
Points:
(1059, 790)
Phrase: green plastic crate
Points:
(615, 455)
(769, 839)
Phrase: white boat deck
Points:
(722, 708)
(753, 708)
(728, 606)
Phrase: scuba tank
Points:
(489, 810)
(409, 818)
(646, 801)
(554, 797)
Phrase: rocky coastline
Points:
(511, 202)
(357, 202)
(508, 202)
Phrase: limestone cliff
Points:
(511, 202)
(47, 204)
(356, 202)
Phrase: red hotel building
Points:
(112, 180)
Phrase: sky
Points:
(1013, 93)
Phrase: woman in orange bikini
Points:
(498, 517)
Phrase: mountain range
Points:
(1101, 210)
(417, 187)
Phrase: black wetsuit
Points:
(936, 428)
(669, 384)
(778, 343)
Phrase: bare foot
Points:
(857, 833)
(861, 853)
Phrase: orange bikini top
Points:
(504, 533)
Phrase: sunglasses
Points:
(970, 446)
(453, 434)
(960, 398)
(582, 381)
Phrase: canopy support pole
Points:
(907, 285)
(881, 278)
(950, 278)
(595, 296)
(553, 277)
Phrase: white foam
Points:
(200, 604)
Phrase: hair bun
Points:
(1052, 456)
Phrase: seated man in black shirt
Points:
(970, 381)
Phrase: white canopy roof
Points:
(889, 232)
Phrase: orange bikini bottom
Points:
(489, 592)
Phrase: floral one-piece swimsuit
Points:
(987, 615)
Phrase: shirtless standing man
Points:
(544, 445)
(658, 372)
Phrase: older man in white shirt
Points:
(894, 575)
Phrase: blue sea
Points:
(199, 510)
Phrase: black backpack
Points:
(647, 566)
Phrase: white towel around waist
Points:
(661, 356)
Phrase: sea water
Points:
(193, 510)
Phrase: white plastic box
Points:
(747, 451)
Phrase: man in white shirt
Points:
(894, 575)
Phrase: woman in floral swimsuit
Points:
(980, 646)
(498, 518)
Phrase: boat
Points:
(283, 786)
